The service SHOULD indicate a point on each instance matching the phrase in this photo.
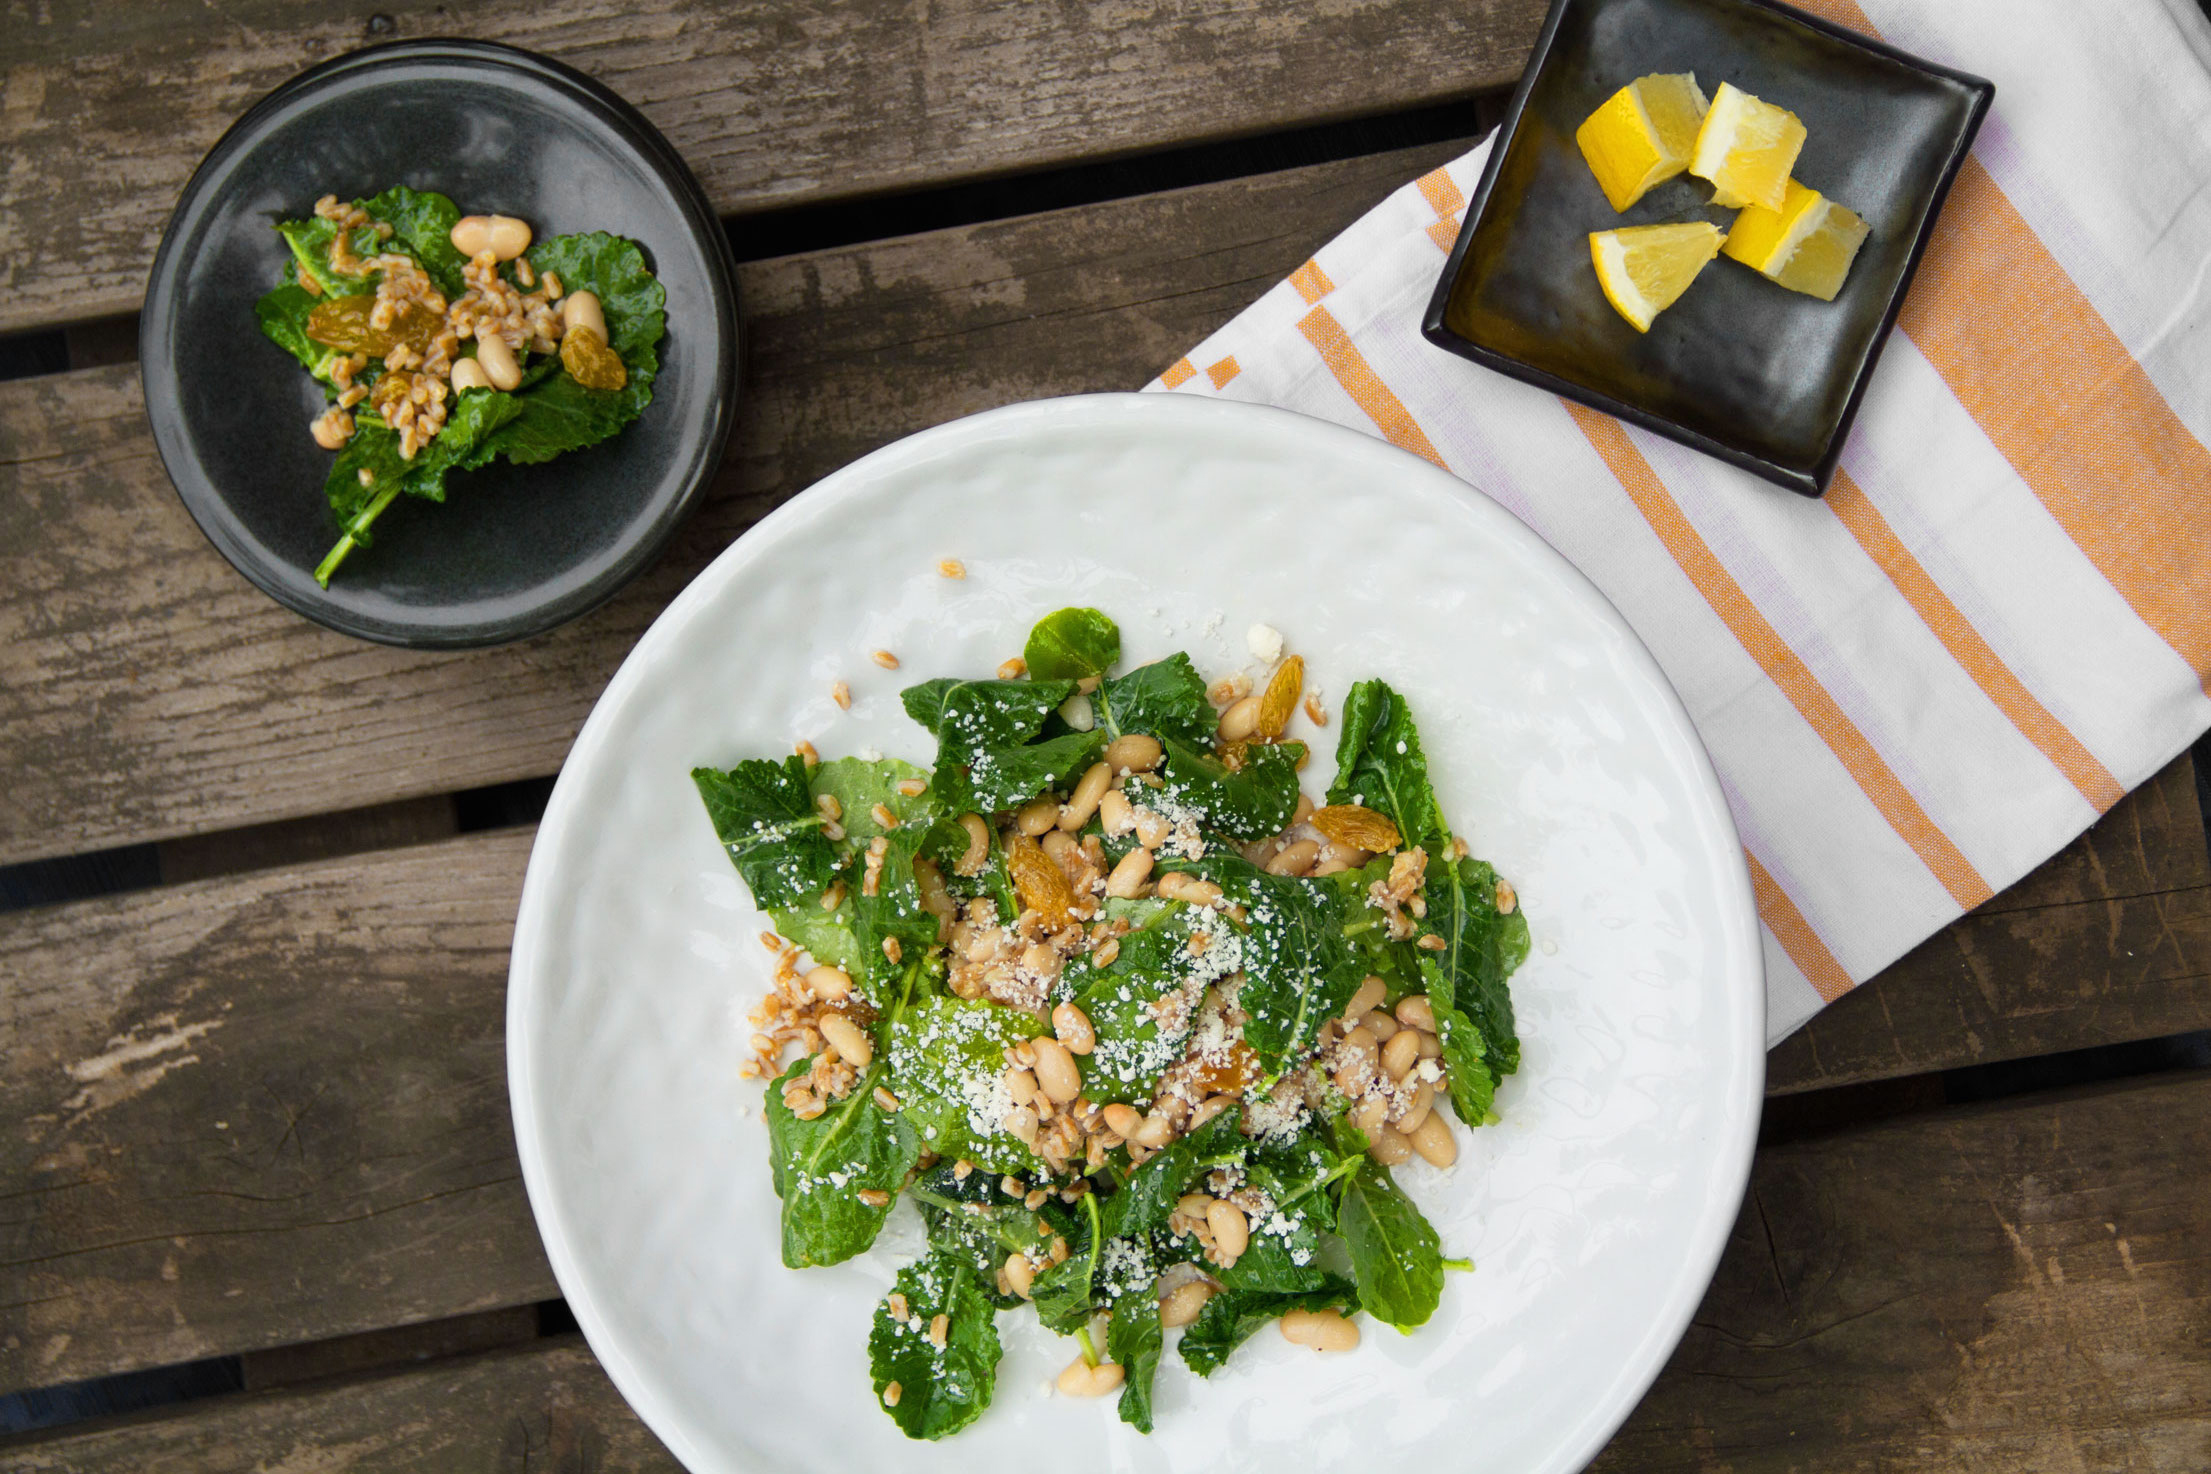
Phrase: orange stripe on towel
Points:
(1442, 195)
(1220, 373)
(1365, 387)
(1782, 665)
(1311, 282)
(1796, 936)
(1966, 646)
(1178, 373)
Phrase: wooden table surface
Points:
(261, 878)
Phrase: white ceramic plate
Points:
(1595, 1212)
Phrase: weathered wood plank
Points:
(2109, 940)
(546, 1405)
(147, 691)
(2020, 1287)
(109, 107)
(270, 1108)
(259, 1110)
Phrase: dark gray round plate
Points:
(514, 550)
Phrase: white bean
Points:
(1432, 1138)
(1231, 1230)
(1133, 752)
(502, 235)
(1083, 802)
(1056, 1072)
(850, 1040)
(1129, 875)
(581, 310)
(1181, 1305)
(1323, 1330)
(1073, 1028)
(1081, 1379)
(498, 361)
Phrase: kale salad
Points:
(1137, 1026)
(444, 342)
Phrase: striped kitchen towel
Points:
(1998, 620)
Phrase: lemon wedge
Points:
(1746, 148)
(1645, 268)
(1642, 135)
(1807, 245)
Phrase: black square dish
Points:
(1739, 367)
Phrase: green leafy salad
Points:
(445, 342)
(1137, 1027)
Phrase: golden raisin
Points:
(1234, 1068)
(1281, 697)
(590, 362)
(1233, 755)
(343, 323)
(1039, 882)
(1357, 826)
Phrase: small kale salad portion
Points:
(1138, 1026)
(443, 342)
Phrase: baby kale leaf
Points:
(1481, 948)
(858, 785)
(1379, 764)
(1134, 1339)
(1070, 644)
(767, 821)
(1255, 800)
(947, 1059)
(821, 1167)
(941, 1389)
(1133, 1050)
(1299, 969)
(1396, 1257)
(985, 760)
(1164, 699)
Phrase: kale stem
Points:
(1089, 1351)
(353, 531)
(1465, 1265)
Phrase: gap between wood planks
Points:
(763, 236)
(80, 1428)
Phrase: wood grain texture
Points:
(2023, 1287)
(148, 691)
(2109, 940)
(259, 1110)
(108, 108)
(541, 1407)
